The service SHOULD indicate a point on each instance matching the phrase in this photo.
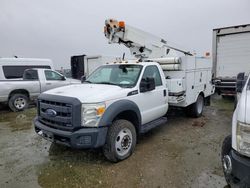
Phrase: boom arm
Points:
(140, 43)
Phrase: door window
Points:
(153, 72)
(30, 75)
(51, 75)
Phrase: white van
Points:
(13, 68)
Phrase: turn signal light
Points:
(100, 110)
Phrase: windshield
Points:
(120, 75)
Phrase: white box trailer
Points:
(85, 65)
(231, 55)
(93, 62)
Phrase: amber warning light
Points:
(207, 54)
(122, 24)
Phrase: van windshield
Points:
(120, 75)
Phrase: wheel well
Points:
(202, 94)
(19, 91)
(131, 116)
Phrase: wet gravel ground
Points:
(183, 153)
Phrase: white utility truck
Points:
(235, 153)
(121, 100)
(231, 55)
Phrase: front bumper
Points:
(240, 169)
(79, 139)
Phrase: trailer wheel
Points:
(18, 102)
(225, 150)
(120, 141)
(196, 109)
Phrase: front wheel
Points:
(225, 150)
(18, 102)
(120, 141)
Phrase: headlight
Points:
(243, 138)
(92, 113)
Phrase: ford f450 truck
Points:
(236, 147)
(121, 100)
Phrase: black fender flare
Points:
(116, 108)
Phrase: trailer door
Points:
(233, 54)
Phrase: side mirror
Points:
(83, 78)
(240, 82)
(147, 84)
(63, 78)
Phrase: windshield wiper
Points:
(108, 83)
(88, 81)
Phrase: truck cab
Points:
(110, 109)
(236, 147)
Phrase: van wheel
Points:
(196, 109)
(225, 150)
(120, 141)
(18, 102)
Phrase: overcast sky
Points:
(58, 29)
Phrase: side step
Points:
(148, 126)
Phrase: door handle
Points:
(48, 83)
(164, 92)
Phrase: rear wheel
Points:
(120, 141)
(18, 102)
(196, 109)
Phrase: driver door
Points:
(53, 80)
(152, 104)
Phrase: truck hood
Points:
(91, 93)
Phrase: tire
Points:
(196, 109)
(18, 102)
(225, 150)
(120, 141)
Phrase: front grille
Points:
(64, 114)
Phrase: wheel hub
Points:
(126, 141)
(19, 103)
(123, 142)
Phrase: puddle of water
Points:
(16, 121)
(73, 168)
